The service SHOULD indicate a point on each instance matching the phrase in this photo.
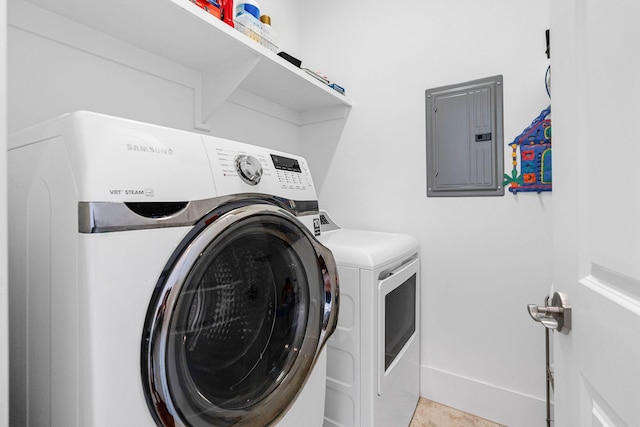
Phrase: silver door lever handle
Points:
(556, 316)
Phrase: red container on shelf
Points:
(214, 9)
(227, 11)
(201, 3)
(210, 6)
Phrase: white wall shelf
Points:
(229, 63)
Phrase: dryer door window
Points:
(397, 323)
(239, 321)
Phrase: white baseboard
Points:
(487, 401)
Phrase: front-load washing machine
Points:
(373, 365)
(160, 277)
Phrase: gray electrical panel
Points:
(465, 139)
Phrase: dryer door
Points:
(237, 320)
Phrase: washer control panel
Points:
(249, 168)
(241, 168)
(291, 173)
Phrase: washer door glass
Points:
(239, 325)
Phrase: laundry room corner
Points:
(482, 258)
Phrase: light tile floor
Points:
(432, 414)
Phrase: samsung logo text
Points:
(149, 149)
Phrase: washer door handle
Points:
(330, 280)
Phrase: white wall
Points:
(4, 333)
(483, 259)
(4, 338)
(284, 23)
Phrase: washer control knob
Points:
(249, 168)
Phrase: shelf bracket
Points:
(217, 85)
(335, 112)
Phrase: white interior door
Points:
(595, 60)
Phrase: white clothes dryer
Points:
(373, 358)
(161, 277)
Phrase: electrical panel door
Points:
(464, 139)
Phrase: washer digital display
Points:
(285, 163)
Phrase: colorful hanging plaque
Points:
(534, 146)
